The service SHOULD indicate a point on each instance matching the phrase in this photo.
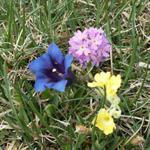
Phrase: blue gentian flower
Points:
(52, 70)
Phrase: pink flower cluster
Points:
(91, 45)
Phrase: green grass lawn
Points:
(47, 121)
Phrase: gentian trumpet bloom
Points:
(91, 45)
(52, 70)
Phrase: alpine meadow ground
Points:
(51, 120)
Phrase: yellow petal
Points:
(108, 130)
(112, 85)
(97, 77)
(115, 82)
(93, 84)
(102, 78)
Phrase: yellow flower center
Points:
(106, 118)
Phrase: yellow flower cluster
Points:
(108, 84)
(104, 121)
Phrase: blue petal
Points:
(55, 53)
(41, 75)
(59, 86)
(40, 85)
(42, 62)
(68, 61)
